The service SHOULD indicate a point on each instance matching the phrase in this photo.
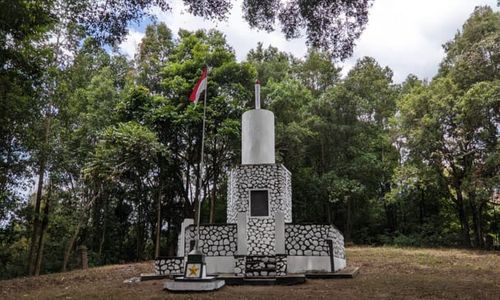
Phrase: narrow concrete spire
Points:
(257, 94)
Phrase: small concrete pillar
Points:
(241, 223)
(279, 218)
(182, 237)
(84, 257)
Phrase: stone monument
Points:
(259, 238)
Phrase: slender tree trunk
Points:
(73, 238)
(36, 215)
(71, 244)
(421, 207)
(140, 221)
(328, 212)
(158, 220)
(42, 167)
(213, 197)
(103, 236)
(348, 227)
(43, 231)
(476, 221)
(462, 216)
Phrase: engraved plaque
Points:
(259, 203)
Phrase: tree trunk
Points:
(158, 220)
(36, 216)
(476, 221)
(71, 244)
(212, 198)
(462, 216)
(140, 221)
(73, 238)
(103, 236)
(421, 207)
(348, 227)
(38, 199)
(43, 231)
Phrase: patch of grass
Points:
(386, 272)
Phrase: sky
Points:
(406, 35)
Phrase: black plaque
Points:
(259, 203)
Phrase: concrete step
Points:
(259, 281)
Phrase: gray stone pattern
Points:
(260, 266)
(215, 240)
(281, 263)
(169, 265)
(273, 177)
(239, 265)
(261, 236)
(311, 240)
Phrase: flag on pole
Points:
(200, 86)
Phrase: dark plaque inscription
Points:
(259, 203)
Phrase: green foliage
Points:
(474, 54)
(412, 164)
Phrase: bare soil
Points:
(386, 272)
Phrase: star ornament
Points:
(193, 270)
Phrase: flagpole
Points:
(200, 179)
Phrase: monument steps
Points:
(264, 280)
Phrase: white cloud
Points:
(238, 33)
(130, 44)
(405, 35)
(408, 35)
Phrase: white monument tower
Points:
(259, 238)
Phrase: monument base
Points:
(205, 284)
(195, 277)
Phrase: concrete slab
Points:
(290, 279)
(193, 285)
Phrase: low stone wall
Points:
(169, 265)
(310, 240)
(281, 263)
(260, 266)
(215, 239)
(239, 265)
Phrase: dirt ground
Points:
(389, 273)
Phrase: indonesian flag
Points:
(200, 86)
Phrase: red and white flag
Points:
(200, 86)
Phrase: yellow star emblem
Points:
(193, 270)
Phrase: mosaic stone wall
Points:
(260, 266)
(169, 265)
(281, 265)
(239, 265)
(261, 236)
(273, 177)
(215, 239)
(311, 240)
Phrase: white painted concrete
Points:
(241, 223)
(301, 264)
(182, 237)
(219, 264)
(280, 232)
(257, 137)
(340, 263)
(193, 286)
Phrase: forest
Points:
(103, 151)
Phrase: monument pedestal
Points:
(195, 277)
